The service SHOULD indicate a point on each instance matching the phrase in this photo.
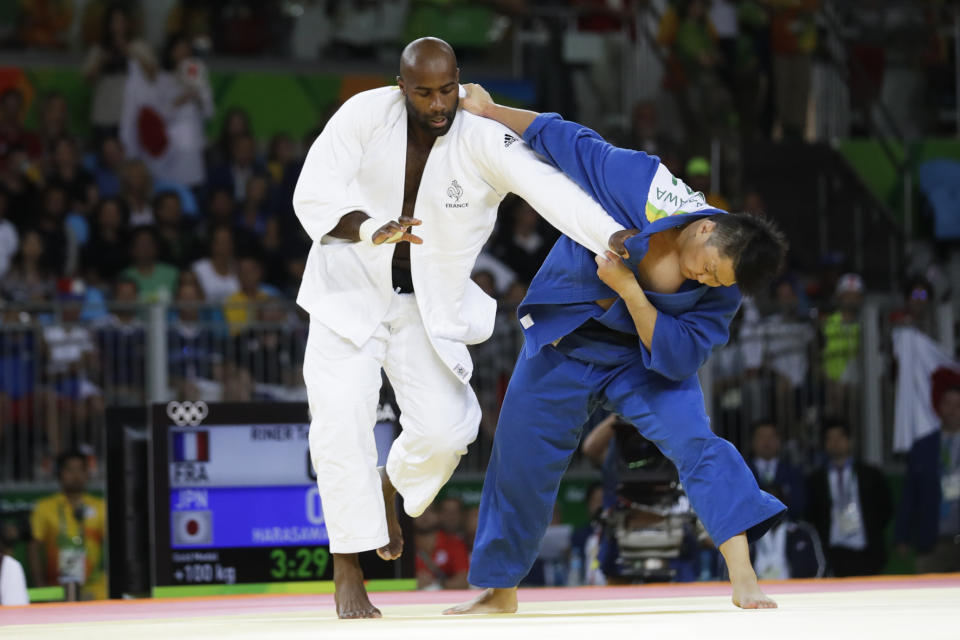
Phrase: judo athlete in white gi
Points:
(399, 194)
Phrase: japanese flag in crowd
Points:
(918, 357)
(145, 119)
(192, 528)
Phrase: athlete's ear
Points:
(707, 227)
(400, 84)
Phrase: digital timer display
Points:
(236, 501)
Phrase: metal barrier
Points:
(784, 370)
(61, 366)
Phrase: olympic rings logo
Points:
(187, 414)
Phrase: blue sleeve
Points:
(619, 179)
(681, 344)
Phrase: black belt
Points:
(402, 280)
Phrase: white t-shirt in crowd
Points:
(9, 243)
(13, 583)
(216, 288)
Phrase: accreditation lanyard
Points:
(950, 467)
(847, 507)
(71, 552)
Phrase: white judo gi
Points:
(359, 324)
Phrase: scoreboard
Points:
(234, 497)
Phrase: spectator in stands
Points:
(155, 280)
(841, 346)
(107, 253)
(136, 191)
(106, 68)
(280, 155)
(522, 245)
(72, 363)
(790, 549)
(442, 561)
(45, 24)
(929, 516)
(256, 208)
(217, 274)
(194, 347)
(29, 278)
(849, 504)
(450, 512)
(190, 106)
(110, 162)
(9, 238)
(240, 307)
(54, 120)
(59, 239)
(66, 171)
(793, 39)
(19, 364)
(13, 136)
(273, 352)
(918, 310)
(780, 344)
(121, 341)
(13, 581)
(176, 243)
(699, 179)
(68, 529)
(236, 123)
(240, 166)
(771, 469)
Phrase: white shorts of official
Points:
(438, 413)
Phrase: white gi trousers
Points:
(438, 413)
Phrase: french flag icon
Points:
(191, 446)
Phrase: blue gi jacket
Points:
(691, 322)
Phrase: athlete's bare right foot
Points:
(748, 595)
(490, 601)
(349, 592)
(393, 549)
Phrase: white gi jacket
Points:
(357, 164)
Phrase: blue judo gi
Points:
(600, 361)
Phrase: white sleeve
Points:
(322, 195)
(13, 583)
(512, 167)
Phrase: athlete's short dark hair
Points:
(756, 246)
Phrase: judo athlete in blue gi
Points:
(629, 335)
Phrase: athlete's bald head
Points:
(427, 54)
(429, 80)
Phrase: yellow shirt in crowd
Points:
(54, 525)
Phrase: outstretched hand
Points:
(397, 231)
(615, 274)
(476, 100)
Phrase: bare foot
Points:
(394, 548)
(490, 601)
(349, 592)
(748, 595)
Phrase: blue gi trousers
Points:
(549, 399)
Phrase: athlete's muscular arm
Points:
(620, 278)
(479, 102)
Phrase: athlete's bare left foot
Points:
(349, 593)
(489, 601)
(393, 549)
(748, 595)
